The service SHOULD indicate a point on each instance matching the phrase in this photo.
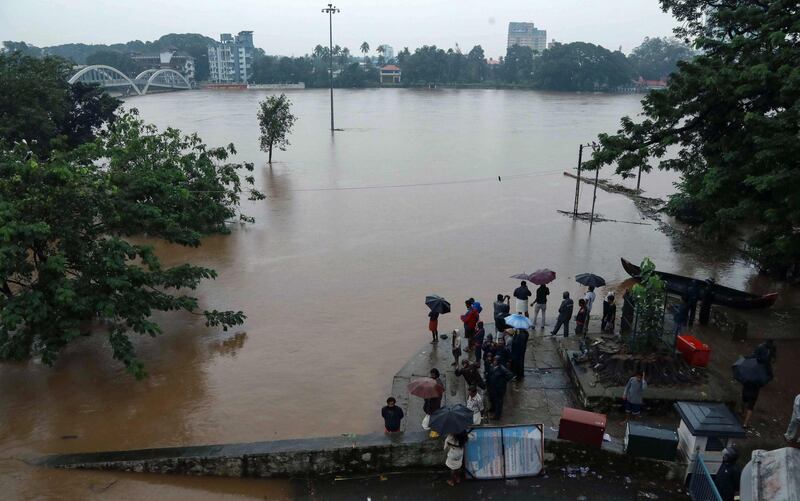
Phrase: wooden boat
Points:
(722, 295)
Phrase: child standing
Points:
(433, 326)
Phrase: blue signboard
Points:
(504, 452)
(483, 458)
(523, 449)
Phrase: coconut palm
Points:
(365, 50)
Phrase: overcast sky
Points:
(294, 27)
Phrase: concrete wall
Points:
(340, 456)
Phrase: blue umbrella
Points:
(518, 321)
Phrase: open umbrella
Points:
(437, 304)
(522, 276)
(543, 276)
(749, 371)
(453, 419)
(425, 387)
(518, 321)
(590, 280)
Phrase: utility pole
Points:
(330, 10)
(578, 182)
(594, 197)
(639, 179)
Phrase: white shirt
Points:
(475, 404)
(589, 298)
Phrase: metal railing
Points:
(701, 485)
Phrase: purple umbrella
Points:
(543, 276)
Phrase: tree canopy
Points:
(39, 106)
(729, 123)
(276, 120)
(68, 212)
(580, 66)
(657, 57)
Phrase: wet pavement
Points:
(550, 487)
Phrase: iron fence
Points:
(701, 484)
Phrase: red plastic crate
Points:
(695, 352)
(583, 427)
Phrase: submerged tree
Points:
(276, 121)
(67, 213)
(729, 123)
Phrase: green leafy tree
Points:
(649, 296)
(22, 47)
(38, 106)
(657, 57)
(65, 257)
(518, 66)
(276, 121)
(122, 62)
(729, 123)
(580, 66)
(476, 65)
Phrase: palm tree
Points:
(381, 51)
(365, 50)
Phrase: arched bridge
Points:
(107, 76)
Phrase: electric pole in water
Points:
(331, 10)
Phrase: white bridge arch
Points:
(108, 76)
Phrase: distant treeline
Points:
(576, 66)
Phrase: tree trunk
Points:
(270, 153)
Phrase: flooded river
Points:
(446, 191)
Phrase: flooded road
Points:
(446, 191)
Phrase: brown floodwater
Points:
(445, 191)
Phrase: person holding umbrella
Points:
(540, 303)
(522, 294)
(430, 389)
(502, 308)
(438, 305)
(454, 447)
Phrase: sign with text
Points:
(504, 452)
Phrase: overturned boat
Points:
(722, 295)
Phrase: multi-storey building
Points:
(231, 59)
(171, 58)
(388, 52)
(527, 35)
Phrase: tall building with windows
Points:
(527, 35)
(231, 59)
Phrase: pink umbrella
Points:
(543, 276)
(425, 387)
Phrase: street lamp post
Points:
(330, 10)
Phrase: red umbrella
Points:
(543, 276)
(425, 388)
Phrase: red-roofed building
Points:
(390, 74)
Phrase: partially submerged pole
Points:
(594, 198)
(639, 179)
(578, 182)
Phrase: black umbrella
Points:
(437, 304)
(749, 371)
(453, 419)
(590, 280)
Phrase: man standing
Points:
(497, 382)
(792, 434)
(392, 415)
(519, 345)
(564, 315)
(540, 303)
(501, 311)
(729, 475)
(471, 373)
(475, 404)
(522, 293)
(632, 395)
(589, 298)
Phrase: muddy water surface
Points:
(446, 192)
